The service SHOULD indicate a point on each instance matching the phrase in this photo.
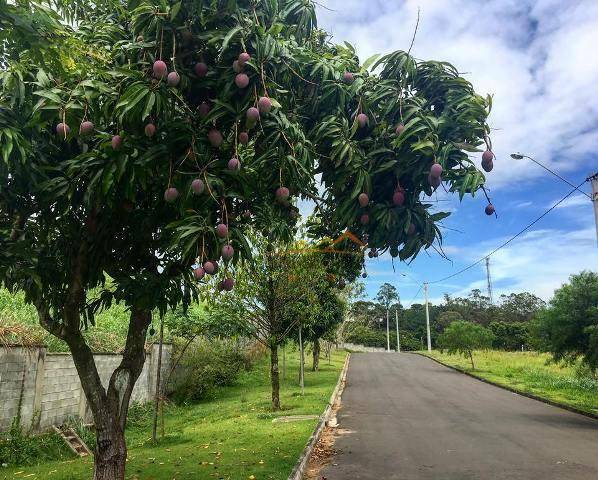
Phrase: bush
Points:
(19, 324)
(368, 337)
(409, 342)
(205, 366)
(19, 447)
(510, 335)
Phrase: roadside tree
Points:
(463, 338)
(568, 328)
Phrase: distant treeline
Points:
(509, 318)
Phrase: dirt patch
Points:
(324, 452)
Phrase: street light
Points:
(521, 156)
(592, 178)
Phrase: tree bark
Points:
(316, 361)
(275, 377)
(110, 455)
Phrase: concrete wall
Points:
(46, 386)
(360, 348)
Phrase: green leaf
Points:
(49, 95)
(467, 147)
(231, 33)
(148, 106)
(368, 63)
(174, 10)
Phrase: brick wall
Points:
(47, 387)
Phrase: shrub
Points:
(19, 447)
(368, 337)
(206, 365)
(510, 335)
(409, 342)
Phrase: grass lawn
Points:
(528, 372)
(229, 437)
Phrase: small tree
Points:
(274, 292)
(329, 314)
(568, 328)
(463, 338)
(340, 263)
(387, 294)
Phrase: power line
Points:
(519, 156)
(521, 232)
(415, 296)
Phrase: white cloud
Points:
(576, 201)
(523, 204)
(539, 261)
(536, 57)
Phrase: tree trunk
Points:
(316, 362)
(110, 455)
(471, 359)
(284, 362)
(274, 376)
(110, 406)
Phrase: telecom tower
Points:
(489, 280)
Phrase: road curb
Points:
(299, 469)
(511, 389)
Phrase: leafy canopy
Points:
(568, 328)
(75, 208)
(387, 294)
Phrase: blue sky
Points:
(538, 59)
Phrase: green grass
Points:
(229, 437)
(529, 372)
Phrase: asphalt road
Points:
(408, 417)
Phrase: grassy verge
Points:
(229, 437)
(529, 372)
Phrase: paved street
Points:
(411, 418)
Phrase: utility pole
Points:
(594, 180)
(397, 324)
(488, 279)
(387, 332)
(427, 317)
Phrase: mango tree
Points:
(140, 139)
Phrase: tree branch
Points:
(17, 227)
